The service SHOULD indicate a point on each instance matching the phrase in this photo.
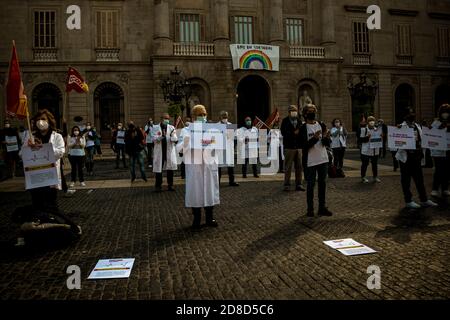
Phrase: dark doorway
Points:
(253, 99)
(441, 96)
(48, 96)
(404, 98)
(108, 108)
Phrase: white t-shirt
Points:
(317, 154)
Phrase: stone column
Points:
(161, 38)
(328, 28)
(221, 28)
(276, 21)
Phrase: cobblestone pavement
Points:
(264, 248)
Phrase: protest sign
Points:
(39, 167)
(349, 247)
(401, 138)
(112, 269)
(11, 143)
(434, 139)
(375, 141)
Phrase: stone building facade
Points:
(327, 54)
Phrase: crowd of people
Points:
(306, 145)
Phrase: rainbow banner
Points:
(255, 57)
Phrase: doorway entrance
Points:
(253, 99)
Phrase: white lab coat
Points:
(248, 150)
(227, 159)
(402, 155)
(171, 155)
(59, 149)
(202, 179)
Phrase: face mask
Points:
(372, 123)
(7, 125)
(76, 133)
(294, 114)
(225, 121)
(187, 124)
(248, 123)
(88, 127)
(311, 116)
(445, 116)
(42, 125)
(166, 121)
(337, 124)
(150, 122)
(119, 127)
(202, 119)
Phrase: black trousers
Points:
(159, 179)
(230, 171)
(150, 153)
(76, 163)
(183, 170)
(394, 160)
(441, 173)
(365, 164)
(254, 168)
(413, 169)
(120, 152)
(338, 155)
(318, 172)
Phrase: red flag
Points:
(75, 82)
(274, 117)
(179, 123)
(259, 124)
(16, 100)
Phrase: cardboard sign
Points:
(375, 141)
(207, 135)
(434, 139)
(402, 138)
(11, 143)
(39, 167)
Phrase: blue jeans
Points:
(139, 157)
(321, 171)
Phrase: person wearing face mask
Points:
(202, 179)
(165, 154)
(290, 130)
(230, 149)
(118, 144)
(182, 133)
(368, 154)
(247, 137)
(441, 158)
(338, 145)
(134, 147)
(90, 136)
(411, 162)
(315, 139)
(76, 143)
(10, 142)
(149, 140)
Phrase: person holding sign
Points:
(76, 144)
(411, 161)
(10, 140)
(202, 178)
(442, 157)
(338, 145)
(164, 152)
(118, 145)
(371, 143)
(90, 136)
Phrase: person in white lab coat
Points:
(230, 148)
(247, 137)
(202, 179)
(164, 152)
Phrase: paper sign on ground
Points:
(402, 138)
(112, 269)
(434, 139)
(349, 247)
(40, 167)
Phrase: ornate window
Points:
(243, 29)
(44, 29)
(294, 31)
(190, 28)
(107, 23)
(360, 38)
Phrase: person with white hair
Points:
(202, 179)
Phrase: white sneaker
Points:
(149, 165)
(83, 184)
(412, 205)
(20, 242)
(377, 180)
(428, 203)
(435, 193)
(72, 184)
(446, 193)
(365, 180)
(71, 191)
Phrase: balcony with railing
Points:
(107, 54)
(45, 54)
(361, 59)
(200, 49)
(307, 52)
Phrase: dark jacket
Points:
(308, 144)
(133, 141)
(290, 139)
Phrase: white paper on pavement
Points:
(402, 138)
(112, 269)
(39, 166)
(349, 247)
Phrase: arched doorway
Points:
(363, 91)
(253, 99)
(404, 98)
(199, 94)
(109, 108)
(48, 96)
(441, 96)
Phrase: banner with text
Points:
(255, 57)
